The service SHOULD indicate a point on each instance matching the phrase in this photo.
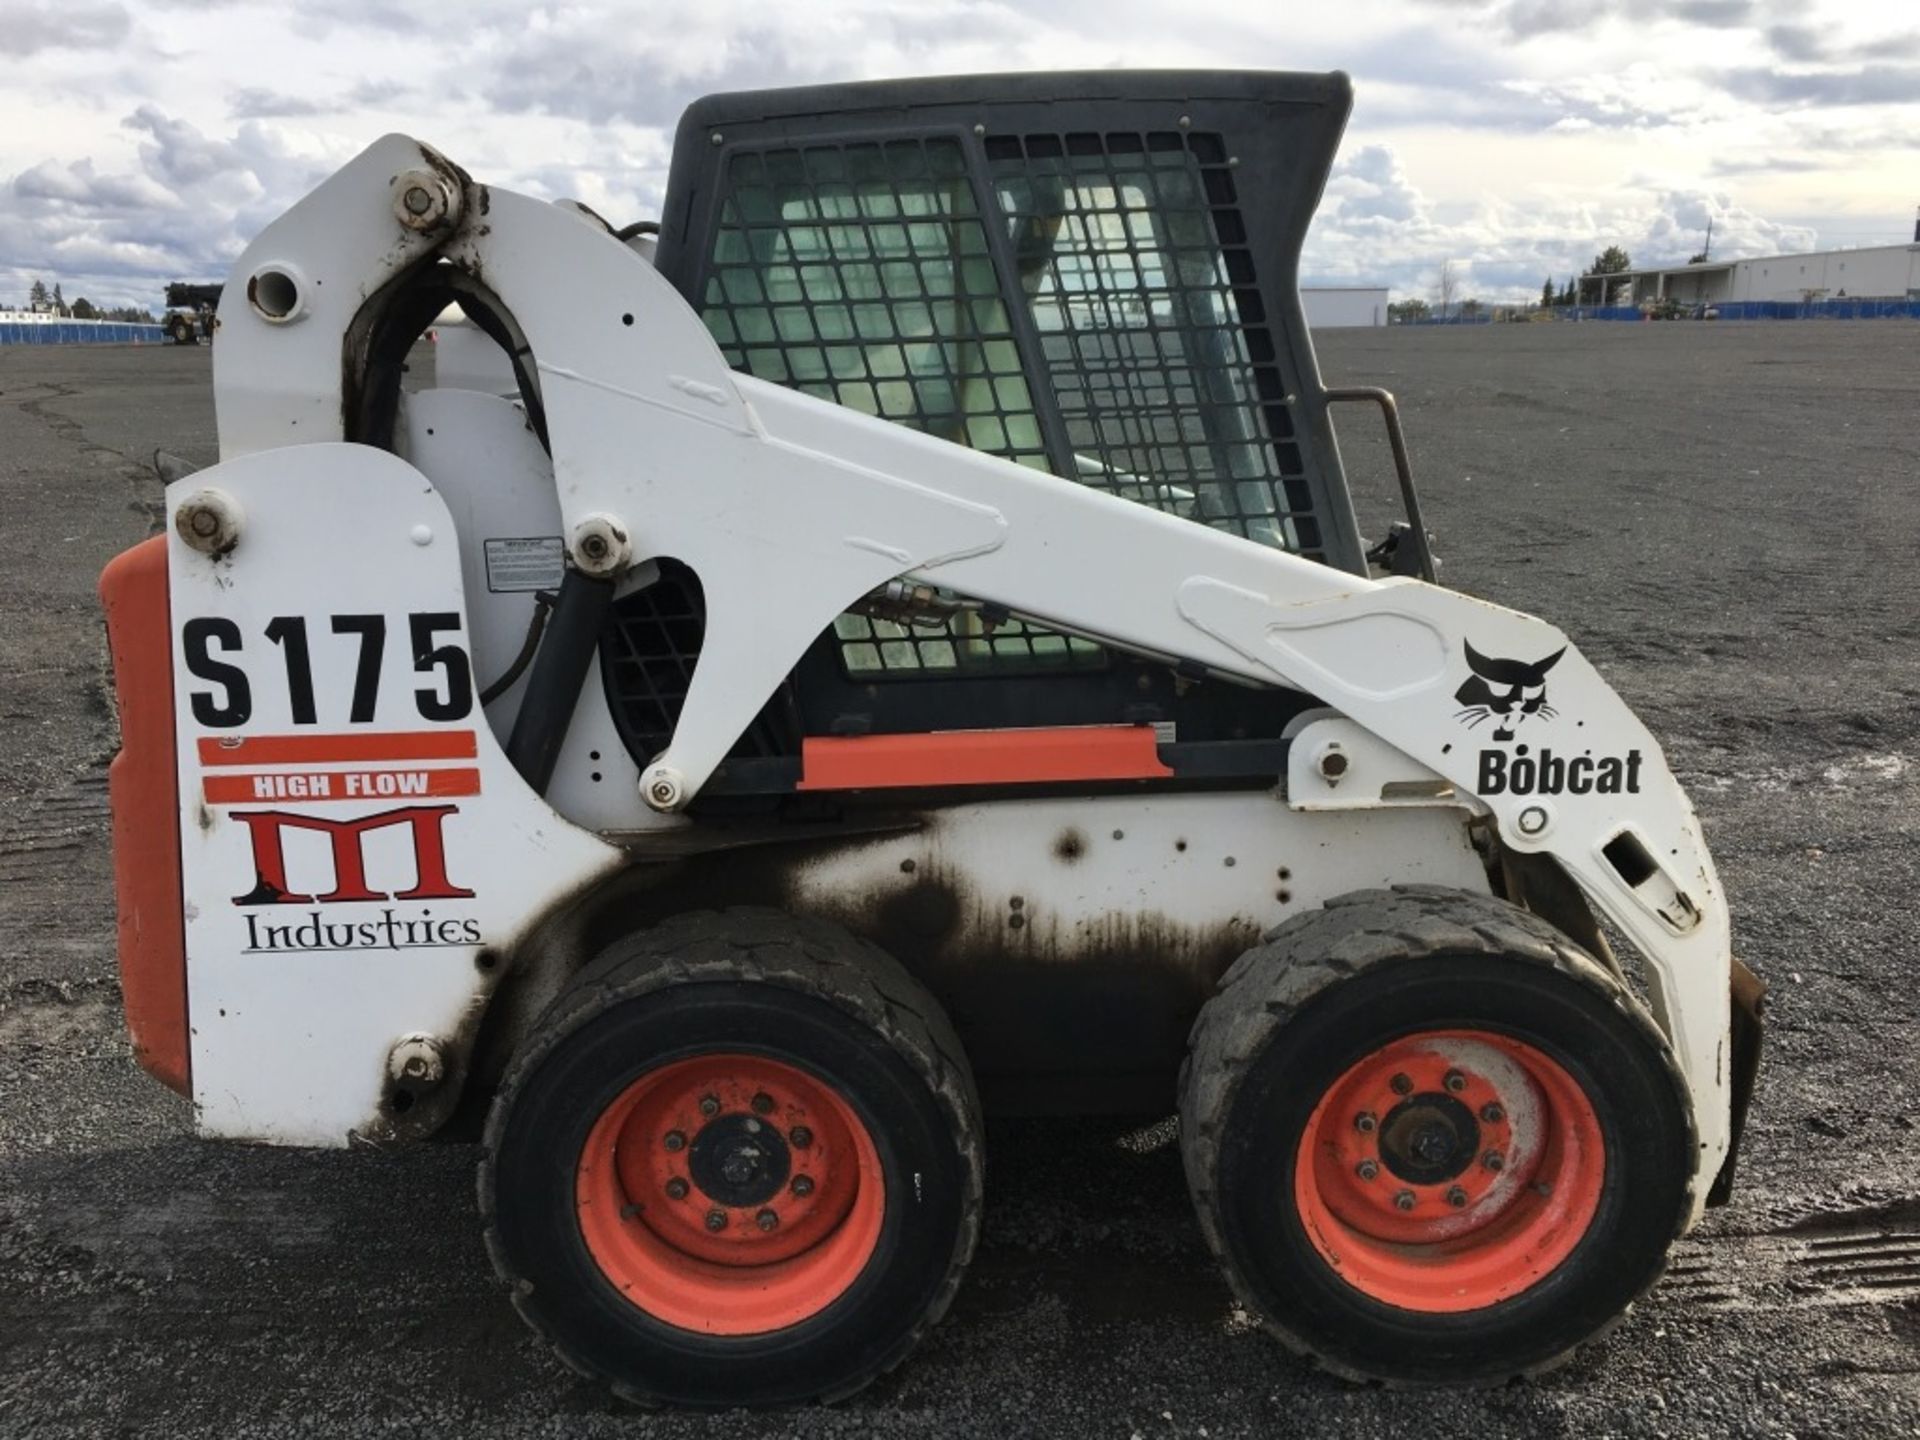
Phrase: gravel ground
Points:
(1721, 515)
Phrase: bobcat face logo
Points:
(1507, 692)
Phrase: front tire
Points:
(1431, 1141)
(738, 1162)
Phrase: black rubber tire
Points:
(797, 990)
(1327, 988)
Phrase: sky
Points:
(143, 141)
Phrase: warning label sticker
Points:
(535, 563)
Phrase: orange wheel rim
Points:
(730, 1194)
(1450, 1170)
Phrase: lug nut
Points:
(675, 1140)
(766, 1219)
(1492, 1114)
(801, 1136)
(1367, 1169)
(709, 1105)
(1455, 1081)
(1494, 1160)
(1456, 1197)
(1402, 1085)
(716, 1219)
(802, 1185)
(1403, 1201)
(676, 1189)
(763, 1104)
(1365, 1122)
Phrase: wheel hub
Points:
(1429, 1139)
(738, 1160)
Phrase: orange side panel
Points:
(980, 757)
(143, 787)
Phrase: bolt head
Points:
(676, 1189)
(424, 201)
(1456, 1197)
(1455, 1081)
(1492, 1114)
(1403, 1201)
(1532, 820)
(1366, 1122)
(763, 1104)
(716, 1219)
(675, 1140)
(801, 1137)
(802, 1185)
(1367, 1169)
(1494, 1161)
(766, 1219)
(709, 1105)
(1402, 1084)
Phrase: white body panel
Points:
(295, 1005)
(790, 509)
(1075, 869)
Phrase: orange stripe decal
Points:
(373, 746)
(318, 787)
(980, 757)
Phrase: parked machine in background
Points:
(190, 312)
(905, 652)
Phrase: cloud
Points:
(1531, 19)
(257, 103)
(148, 171)
(28, 27)
(1376, 227)
(1640, 96)
(1865, 85)
(1726, 165)
(184, 213)
(1808, 44)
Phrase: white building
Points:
(1881, 272)
(1331, 307)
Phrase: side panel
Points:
(356, 849)
(145, 798)
(1074, 940)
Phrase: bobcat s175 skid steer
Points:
(902, 649)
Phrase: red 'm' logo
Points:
(348, 837)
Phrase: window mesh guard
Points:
(864, 273)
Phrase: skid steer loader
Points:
(902, 649)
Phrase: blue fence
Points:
(1819, 310)
(80, 332)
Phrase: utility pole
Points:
(1706, 250)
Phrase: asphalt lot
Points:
(1723, 516)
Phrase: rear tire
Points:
(1342, 1095)
(737, 1162)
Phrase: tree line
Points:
(1577, 290)
(53, 302)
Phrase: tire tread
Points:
(1303, 957)
(763, 946)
